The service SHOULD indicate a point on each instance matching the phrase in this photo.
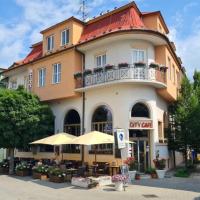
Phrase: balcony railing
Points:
(126, 73)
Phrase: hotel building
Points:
(118, 70)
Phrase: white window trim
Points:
(65, 30)
(100, 55)
(57, 82)
(43, 77)
(145, 55)
(52, 43)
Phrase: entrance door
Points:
(140, 148)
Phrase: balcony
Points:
(130, 73)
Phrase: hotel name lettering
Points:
(141, 124)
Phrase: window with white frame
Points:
(138, 55)
(101, 60)
(50, 42)
(56, 73)
(13, 85)
(64, 37)
(41, 77)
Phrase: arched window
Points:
(140, 110)
(102, 121)
(72, 124)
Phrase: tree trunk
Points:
(185, 155)
(11, 161)
(174, 158)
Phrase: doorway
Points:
(140, 149)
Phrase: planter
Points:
(98, 70)
(154, 175)
(36, 175)
(137, 177)
(140, 64)
(161, 173)
(87, 72)
(123, 65)
(78, 75)
(22, 173)
(56, 179)
(109, 67)
(119, 186)
(43, 177)
(154, 65)
(132, 175)
(4, 170)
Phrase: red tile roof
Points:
(34, 54)
(126, 19)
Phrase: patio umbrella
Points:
(94, 138)
(57, 139)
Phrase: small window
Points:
(56, 73)
(41, 77)
(160, 132)
(50, 43)
(169, 68)
(138, 56)
(101, 60)
(13, 85)
(64, 37)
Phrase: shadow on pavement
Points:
(187, 184)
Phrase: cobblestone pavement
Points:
(15, 188)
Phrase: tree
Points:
(23, 119)
(184, 119)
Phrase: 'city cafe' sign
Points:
(141, 124)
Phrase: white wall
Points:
(119, 51)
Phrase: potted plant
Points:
(78, 75)
(140, 64)
(4, 167)
(56, 175)
(152, 172)
(119, 180)
(160, 167)
(98, 69)
(109, 67)
(22, 169)
(130, 162)
(87, 72)
(40, 172)
(123, 65)
(163, 68)
(154, 65)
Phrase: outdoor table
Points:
(116, 168)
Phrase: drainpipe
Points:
(83, 105)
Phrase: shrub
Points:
(183, 173)
(41, 169)
(160, 163)
(55, 171)
(23, 166)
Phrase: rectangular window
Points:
(160, 132)
(56, 73)
(169, 68)
(50, 43)
(41, 77)
(174, 74)
(138, 55)
(64, 37)
(13, 85)
(101, 60)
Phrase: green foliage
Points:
(23, 118)
(183, 173)
(42, 169)
(150, 170)
(55, 171)
(184, 129)
(23, 166)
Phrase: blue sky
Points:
(22, 20)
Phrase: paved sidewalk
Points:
(15, 188)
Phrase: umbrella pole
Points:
(95, 152)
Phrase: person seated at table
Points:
(39, 163)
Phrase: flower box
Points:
(109, 67)
(98, 69)
(22, 173)
(36, 175)
(78, 75)
(154, 65)
(87, 72)
(56, 179)
(163, 68)
(123, 65)
(140, 64)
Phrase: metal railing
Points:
(126, 73)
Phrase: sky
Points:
(22, 20)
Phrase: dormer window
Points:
(50, 43)
(65, 37)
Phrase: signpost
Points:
(120, 136)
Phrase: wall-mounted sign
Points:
(120, 138)
(141, 124)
